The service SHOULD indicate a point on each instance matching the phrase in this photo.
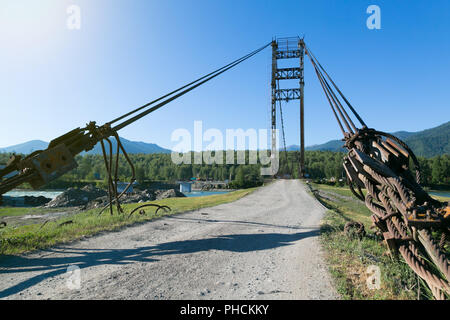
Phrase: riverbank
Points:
(53, 193)
(214, 189)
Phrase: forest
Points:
(159, 167)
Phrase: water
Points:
(203, 193)
(440, 193)
(21, 193)
(53, 194)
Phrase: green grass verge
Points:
(349, 258)
(442, 199)
(17, 240)
(21, 211)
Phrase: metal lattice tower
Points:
(288, 48)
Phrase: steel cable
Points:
(204, 79)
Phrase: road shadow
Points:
(47, 267)
(238, 222)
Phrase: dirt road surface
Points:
(263, 246)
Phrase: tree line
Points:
(160, 167)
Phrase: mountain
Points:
(427, 143)
(403, 135)
(332, 145)
(26, 147)
(431, 142)
(130, 147)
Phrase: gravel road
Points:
(263, 246)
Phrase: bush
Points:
(247, 177)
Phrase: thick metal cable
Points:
(334, 100)
(402, 211)
(214, 74)
(392, 218)
(344, 115)
(311, 55)
(329, 101)
(175, 91)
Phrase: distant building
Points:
(185, 187)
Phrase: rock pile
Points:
(76, 197)
(137, 197)
(25, 201)
(171, 193)
(36, 201)
(91, 197)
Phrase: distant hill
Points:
(332, 145)
(130, 147)
(427, 143)
(431, 142)
(26, 147)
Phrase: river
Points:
(34, 193)
(203, 193)
(440, 193)
(54, 193)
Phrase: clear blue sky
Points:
(127, 53)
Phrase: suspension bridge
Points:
(378, 173)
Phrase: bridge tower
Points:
(288, 48)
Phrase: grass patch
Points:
(349, 258)
(440, 198)
(20, 211)
(17, 240)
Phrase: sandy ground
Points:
(263, 246)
